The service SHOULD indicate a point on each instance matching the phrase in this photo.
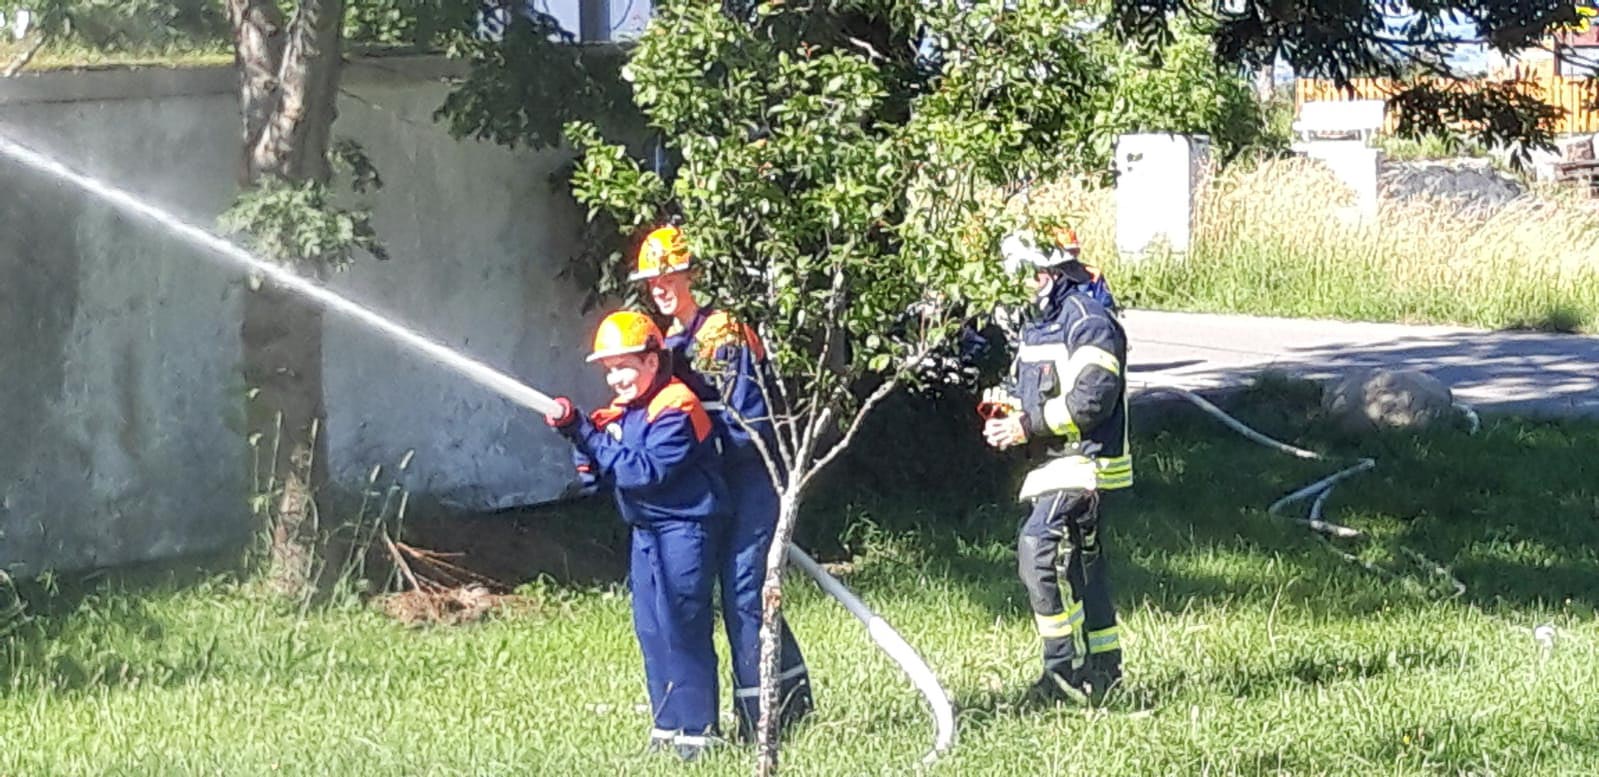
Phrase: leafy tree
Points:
(1187, 92)
(837, 197)
(1408, 42)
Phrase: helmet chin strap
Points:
(1042, 295)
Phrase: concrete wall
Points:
(121, 402)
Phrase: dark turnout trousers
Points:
(1061, 562)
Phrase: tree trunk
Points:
(1266, 83)
(771, 612)
(282, 336)
(288, 89)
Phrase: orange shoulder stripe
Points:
(606, 416)
(676, 396)
(721, 329)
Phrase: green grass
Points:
(70, 56)
(1429, 147)
(1252, 648)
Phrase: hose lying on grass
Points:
(895, 646)
(1320, 489)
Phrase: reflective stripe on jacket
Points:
(1070, 377)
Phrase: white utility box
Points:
(1157, 178)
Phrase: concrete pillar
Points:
(1355, 164)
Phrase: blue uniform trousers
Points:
(1061, 560)
(671, 578)
(746, 542)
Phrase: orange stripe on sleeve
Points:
(676, 396)
(721, 329)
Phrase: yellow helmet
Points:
(624, 332)
(664, 251)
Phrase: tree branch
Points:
(855, 426)
(25, 56)
(760, 445)
(822, 384)
(780, 420)
(789, 447)
(820, 379)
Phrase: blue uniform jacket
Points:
(721, 360)
(656, 453)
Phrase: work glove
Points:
(566, 417)
(997, 402)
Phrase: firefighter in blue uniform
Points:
(654, 446)
(1068, 405)
(722, 360)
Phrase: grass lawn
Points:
(1252, 648)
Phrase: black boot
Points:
(1102, 674)
(1053, 688)
(798, 704)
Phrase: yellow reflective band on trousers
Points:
(1058, 626)
(1105, 640)
(1078, 473)
(1067, 473)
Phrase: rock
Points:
(1469, 183)
(1578, 149)
(1365, 400)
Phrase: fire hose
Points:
(881, 633)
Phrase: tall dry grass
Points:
(1279, 238)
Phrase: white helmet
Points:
(1021, 249)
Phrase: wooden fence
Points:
(1576, 96)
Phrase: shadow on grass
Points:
(60, 636)
(1447, 744)
(1511, 512)
(1563, 319)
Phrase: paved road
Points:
(1508, 372)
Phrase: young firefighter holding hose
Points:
(654, 446)
(722, 360)
(1068, 404)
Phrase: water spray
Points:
(477, 371)
(882, 634)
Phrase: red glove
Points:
(567, 416)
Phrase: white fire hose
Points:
(1322, 488)
(511, 388)
(895, 646)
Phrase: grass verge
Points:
(1252, 649)
(1277, 239)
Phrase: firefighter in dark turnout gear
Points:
(1068, 405)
